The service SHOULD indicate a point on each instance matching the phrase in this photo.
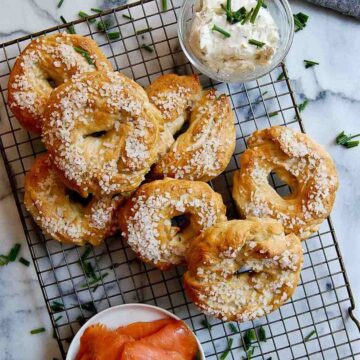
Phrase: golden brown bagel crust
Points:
(205, 149)
(145, 219)
(175, 96)
(48, 57)
(298, 161)
(271, 264)
(47, 200)
(102, 133)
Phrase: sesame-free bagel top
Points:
(102, 133)
(47, 62)
(301, 163)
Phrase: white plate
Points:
(122, 315)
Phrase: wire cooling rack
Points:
(323, 300)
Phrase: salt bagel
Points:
(146, 219)
(304, 165)
(45, 63)
(204, 150)
(60, 215)
(270, 263)
(102, 133)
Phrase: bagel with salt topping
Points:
(64, 215)
(204, 150)
(241, 270)
(102, 133)
(148, 219)
(298, 161)
(45, 63)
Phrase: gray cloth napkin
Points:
(347, 7)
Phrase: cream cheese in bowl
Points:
(250, 44)
(235, 40)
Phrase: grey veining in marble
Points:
(333, 91)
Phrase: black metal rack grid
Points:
(323, 300)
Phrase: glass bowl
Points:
(283, 18)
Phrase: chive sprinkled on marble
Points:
(37, 331)
(70, 29)
(220, 30)
(84, 15)
(24, 261)
(310, 63)
(227, 350)
(310, 335)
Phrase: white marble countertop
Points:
(333, 91)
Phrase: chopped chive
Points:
(57, 306)
(227, 350)
(97, 10)
(344, 140)
(4, 260)
(249, 336)
(303, 105)
(256, 11)
(281, 76)
(269, 358)
(89, 306)
(233, 328)
(309, 335)
(261, 333)
(113, 35)
(14, 252)
(247, 17)
(148, 48)
(85, 54)
(206, 324)
(60, 3)
(24, 261)
(300, 20)
(310, 63)
(94, 280)
(89, 270)
(58, 318)
(249, 352)
(84, 15)
(37, 331)
(264, 93)
(70, 29)
(220, 30)
(264, 5)
(164, 5)
(103, 25)
(274, 113)
(143, 31)
(86, 253)
(128, 17)
(256, 43)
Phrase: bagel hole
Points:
(182, 130)
(51, 82)
(77, 198)
(280, 185)
(181, 222)
(96, 134)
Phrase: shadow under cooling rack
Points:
(323, 297)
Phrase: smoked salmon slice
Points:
(139, 330)
(174, 337)
(138, 351)
(100, 343)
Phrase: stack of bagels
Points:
(123, 158)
